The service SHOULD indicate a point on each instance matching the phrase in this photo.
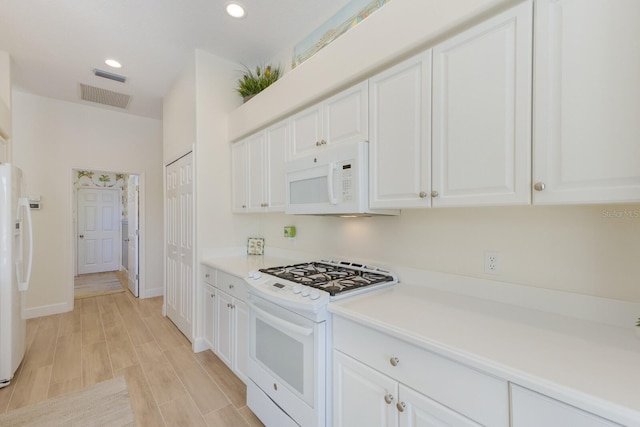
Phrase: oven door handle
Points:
(283, 324)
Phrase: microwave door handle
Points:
(332, 198)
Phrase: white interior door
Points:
(133, 235)
(179, 262)
(98, 230)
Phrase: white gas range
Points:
(290, 336)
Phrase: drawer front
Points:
(233, 285)
(532, 409)
(208, 274)
(479, 396)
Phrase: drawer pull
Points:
(401, 406)
(388, 398)
(394, 361)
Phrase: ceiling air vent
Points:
(104, 96)
(110, 76)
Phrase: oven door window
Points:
(284, 344)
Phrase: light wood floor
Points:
(119, 335)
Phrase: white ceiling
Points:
(55, 44)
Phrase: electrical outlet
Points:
(290, 231)
(492, 263)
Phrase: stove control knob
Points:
(315, 294)
(305, 291)
(296, 289)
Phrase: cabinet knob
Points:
(323, 142)
(212, 295)
(244, 206)
(422, 194)
(388, 398)
(539, 186)
(434, 193)
(207, 275)
(231, 286)
(394, 361)
(228, 305)
(401, 406)
(317, 143)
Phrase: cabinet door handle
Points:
(207, 276)
(212, 295)
(434, 193)
(394, 361)
(422, 194)
(539, 186)
(401, 406)
(317, 143)
(231, 286)
(388, 398)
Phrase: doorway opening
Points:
(106, 232)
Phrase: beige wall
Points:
(593, 250)
(51, 138)
(179, 114)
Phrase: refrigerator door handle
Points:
(23, 203)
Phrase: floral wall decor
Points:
(101, 179)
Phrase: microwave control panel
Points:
(347, 182)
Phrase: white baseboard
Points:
(151, 293)
(46, 310)
(199, 344)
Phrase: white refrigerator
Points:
(16, 256)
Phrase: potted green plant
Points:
(254, 81)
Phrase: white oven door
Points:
(286, 354)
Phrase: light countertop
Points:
(590, 365)
(240, 265)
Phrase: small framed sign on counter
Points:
(255, 246)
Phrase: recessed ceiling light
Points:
(235, 10)
(113, 63)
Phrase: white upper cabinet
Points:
(239, 183)
(256, 170)
(481, 143)
(399, 146)
(587, 101)
(258, 176)
(341, 119)
(276, 138)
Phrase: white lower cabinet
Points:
(209, 295)
(364, 396)
(379, 380)
(231, 333)
(532, 409)
(226, 318)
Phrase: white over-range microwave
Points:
(332, 181)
